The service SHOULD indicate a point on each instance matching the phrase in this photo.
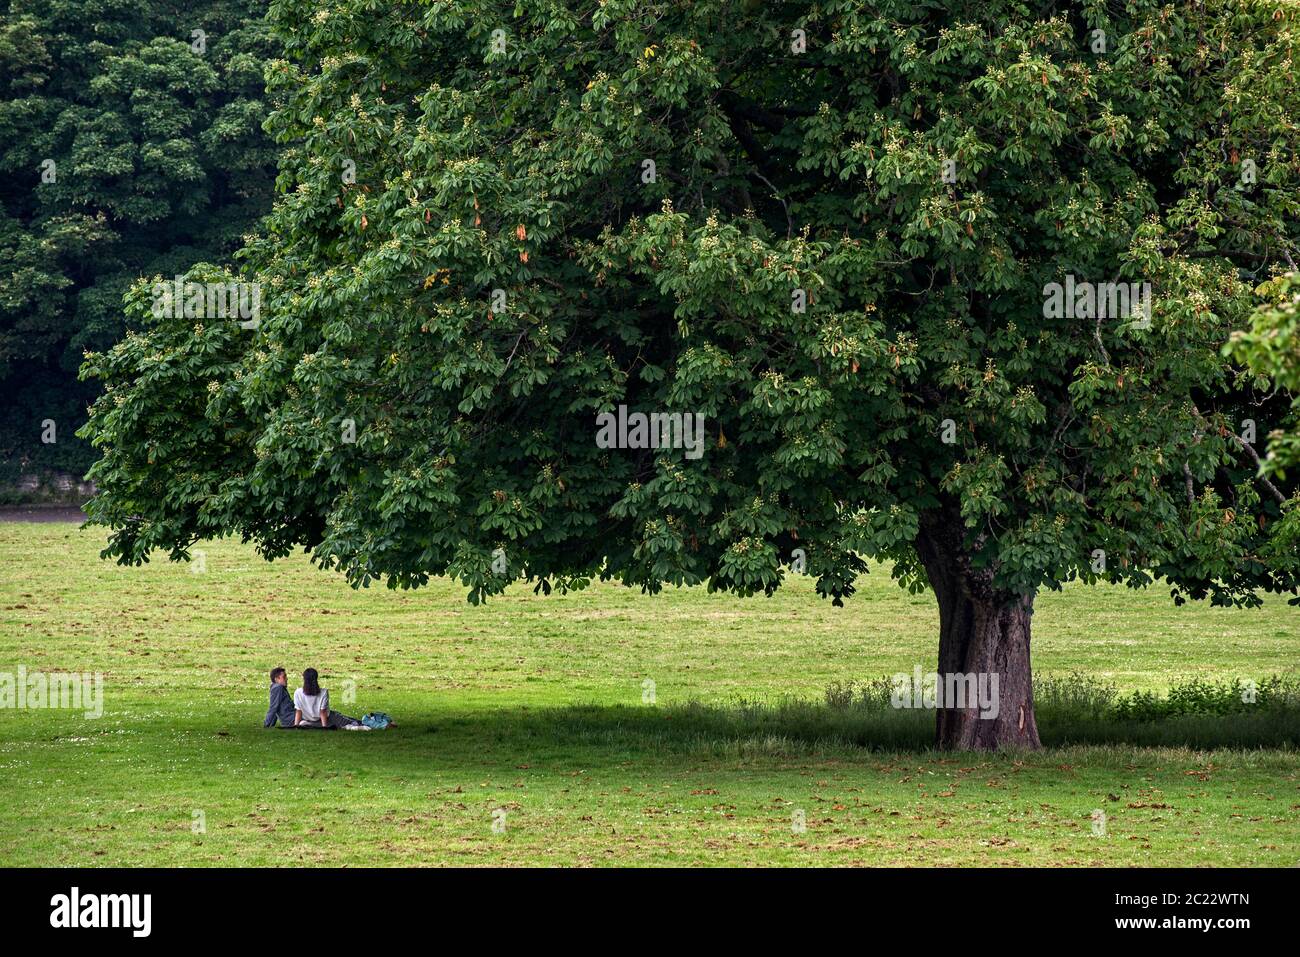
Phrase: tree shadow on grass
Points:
(800, 728)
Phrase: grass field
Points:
(534, 706)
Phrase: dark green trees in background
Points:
(130, 145)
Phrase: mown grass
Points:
(535, 706)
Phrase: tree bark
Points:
(983, 632)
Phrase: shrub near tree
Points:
(130, 144)
(948, 284)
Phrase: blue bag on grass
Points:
(377, 720)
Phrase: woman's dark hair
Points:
(310, 682)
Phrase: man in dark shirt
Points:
(281, 703)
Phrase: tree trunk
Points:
(983, 633)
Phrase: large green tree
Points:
(130, 144)
(831, 228)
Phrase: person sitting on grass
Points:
(311, 705)
(281, 704)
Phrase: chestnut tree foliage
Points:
(1271, 347)
(920, 171)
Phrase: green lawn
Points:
(534, 705)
